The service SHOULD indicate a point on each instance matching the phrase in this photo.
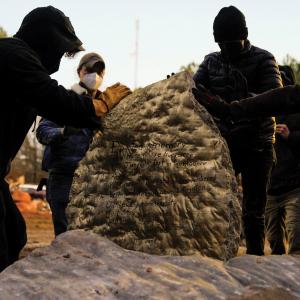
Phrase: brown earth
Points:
(39, 230)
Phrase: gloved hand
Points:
(69, 130)
(110, 98)
(213, 103)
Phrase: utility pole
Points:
(136, 52)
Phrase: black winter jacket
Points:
(27, 90)
(259, 70)
(286, 174)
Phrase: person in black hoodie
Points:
(236, 72)
(283, 204)
(27, 90)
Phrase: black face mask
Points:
(231, 50)
(51, 63)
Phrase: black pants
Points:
(254, 165)
(283, 222)
(12, 228)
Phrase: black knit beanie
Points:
(229, 25)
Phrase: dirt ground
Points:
(39, 230)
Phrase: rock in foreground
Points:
(160, 179)
(83, 265)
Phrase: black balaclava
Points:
(50, 34)
(229, 31)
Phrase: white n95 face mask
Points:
(92, 81)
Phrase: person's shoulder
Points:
(213, 56)
(18, 51)
(261, 52)
(13, 45)
(46, 122)
(212, 59)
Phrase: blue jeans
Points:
(58, 190)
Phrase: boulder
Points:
(83, 265)
(160, 179)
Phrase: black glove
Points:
(68, 130)
(213, 103)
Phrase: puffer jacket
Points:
(254, 72)
(62, 153)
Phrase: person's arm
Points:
(276, 102)
(292, 137)
(268, 74)
(201, 77)
(35, 88)
(48, 132)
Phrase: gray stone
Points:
(160, 179)
(84, 265)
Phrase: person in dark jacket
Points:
(66, 146)
(27, 90)
(237, 71)
(278, 102)
(283, 204)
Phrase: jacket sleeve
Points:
(35, 88)
(201, 76)
(269, 75)
(276, 102)
(48, 132)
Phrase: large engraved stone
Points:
(83, 265)
(159, 180)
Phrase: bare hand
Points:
(283, 131)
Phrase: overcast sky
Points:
(172, 32)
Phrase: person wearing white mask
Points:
(66, 146)
(91, 70)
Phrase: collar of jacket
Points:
(246, 49)
(244, 53)
(78, 89)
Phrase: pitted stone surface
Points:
(84, 265)
(159, 180)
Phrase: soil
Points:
(39, 230)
